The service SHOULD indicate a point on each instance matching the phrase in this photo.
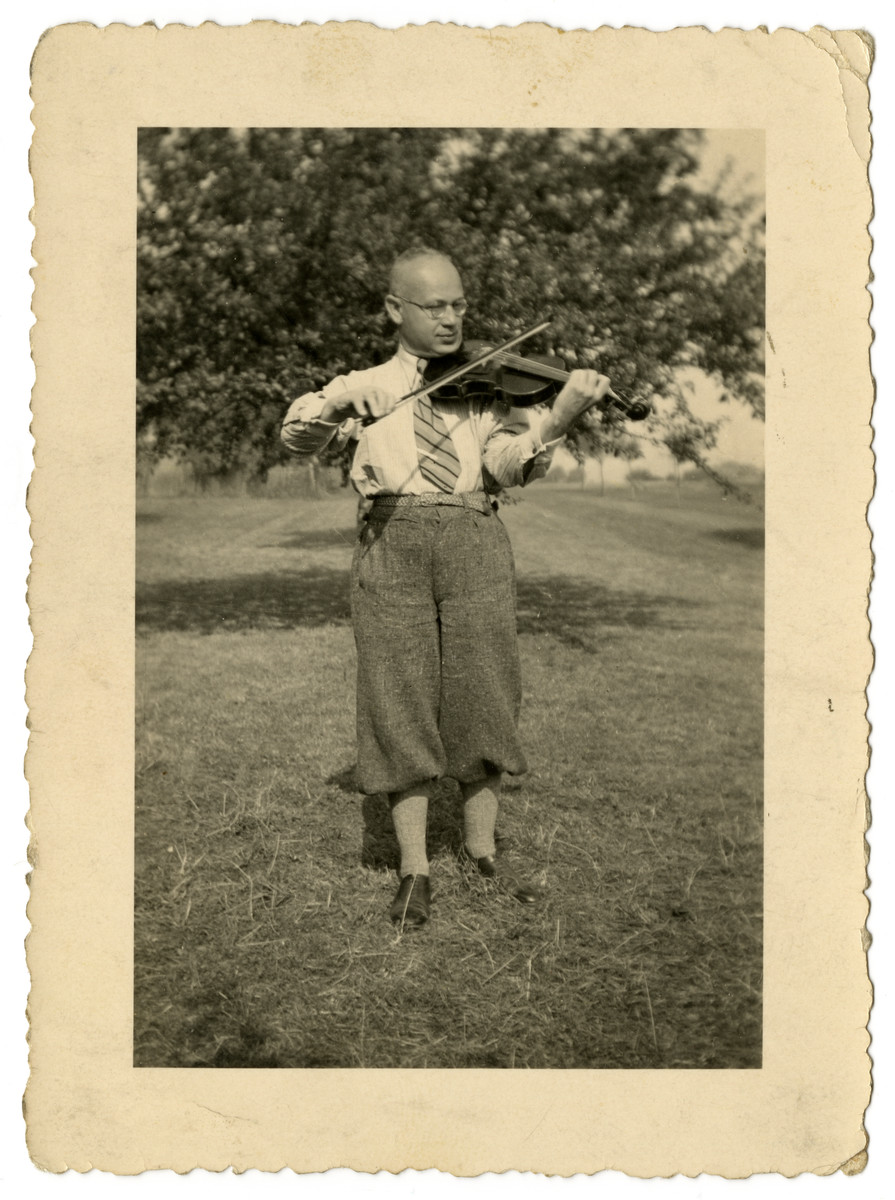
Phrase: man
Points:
(433, 590)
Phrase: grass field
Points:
(263, 878)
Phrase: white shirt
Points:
(498, 446)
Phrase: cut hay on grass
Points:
(263, 878)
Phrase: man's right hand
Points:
(363, 402)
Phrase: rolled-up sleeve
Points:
(513, 453)
(303, 433)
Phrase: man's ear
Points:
(393, 308)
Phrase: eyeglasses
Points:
(436, 311)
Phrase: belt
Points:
(480, 501)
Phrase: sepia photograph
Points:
(449, 608)
(447, 705)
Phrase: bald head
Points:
(419, 264)
(425, 291)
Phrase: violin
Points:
(480, 371)
(495, 373)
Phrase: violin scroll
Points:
(632, 410)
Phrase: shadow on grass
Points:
(317, 539)
(576, 612)
(573, 611)
(749, 539)
(380, 846)
(272, 600)
(345, 779)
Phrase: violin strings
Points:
(515, 360)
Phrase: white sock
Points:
(409, 811)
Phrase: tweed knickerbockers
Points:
(438, 681)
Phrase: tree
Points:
(600, 437)
(687, 439)
(263, 255)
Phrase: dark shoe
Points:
(410, 907)
(506, 879)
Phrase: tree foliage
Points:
(263, 256)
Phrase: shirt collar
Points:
(407, 359)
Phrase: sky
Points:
(746, 150)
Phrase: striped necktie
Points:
(439, 463)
